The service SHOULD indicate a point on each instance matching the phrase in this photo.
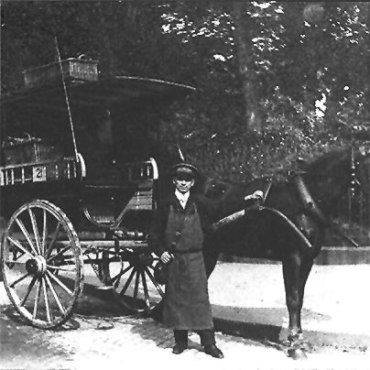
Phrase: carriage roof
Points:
(107, 92)
(110, 117)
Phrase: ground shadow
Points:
(100, 302)
(264, 325)
(258, 324)
(92, 303)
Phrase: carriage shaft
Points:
(108, 244)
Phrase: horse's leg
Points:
(295, 278)
(296, 269)
(291, 274)
(305, 271)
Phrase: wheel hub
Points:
(36, 266)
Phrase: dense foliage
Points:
(275, 80)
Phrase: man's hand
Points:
(166, 257)
(258, 194)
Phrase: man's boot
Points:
(181, 341)
(207, 338)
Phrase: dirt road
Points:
(250, 318)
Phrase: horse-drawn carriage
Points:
(78, 185)
(79, 182)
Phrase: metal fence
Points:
(352, 214)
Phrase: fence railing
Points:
(352, 214)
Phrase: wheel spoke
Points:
(128, 282)
(152, 265)
(120, 274)
(61, 307)
(20, 246)
(44, 233)
(19, 280)
(51, 267)
(35, 230)
(37, 299)
(62, 285)
(15, 262)
(28, 291)
(146, 293)
(158, 287)
(58, 254)
(50, 247)
(137, 280)
(46, 299)
(26, 234)
(140, 292)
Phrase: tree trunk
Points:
(243, 40)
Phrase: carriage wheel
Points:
(132, 279)
(41, 264)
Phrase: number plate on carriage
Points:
(39, 173)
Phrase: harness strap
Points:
(237, 215)
(267, 191)
(314, 211)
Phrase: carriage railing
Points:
(67, 168)
(140, 171)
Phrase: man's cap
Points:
(184, 168)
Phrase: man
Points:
(177, 237)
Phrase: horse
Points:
(290, 224)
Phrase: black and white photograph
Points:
(184, 184)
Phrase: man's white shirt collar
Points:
(183, 198)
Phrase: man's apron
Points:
(186, 302)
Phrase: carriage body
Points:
(79, 183)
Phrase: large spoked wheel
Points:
(42, 264)
(132, 278)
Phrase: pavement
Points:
(248, 303)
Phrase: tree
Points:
(243, 36)
(265, 65)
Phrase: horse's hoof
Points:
(297, 353)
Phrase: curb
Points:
(328, 256)
(277, 334)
